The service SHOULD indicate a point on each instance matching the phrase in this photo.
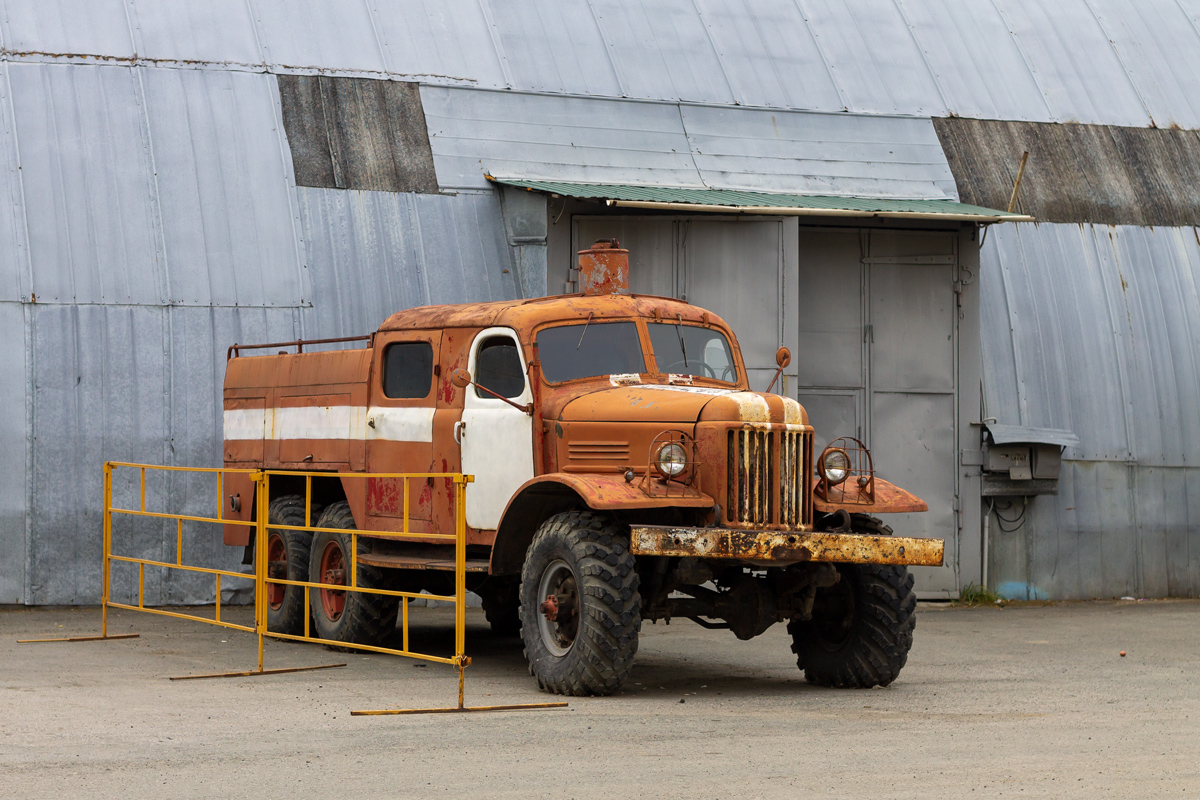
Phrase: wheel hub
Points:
(333, 570)
(559, 623)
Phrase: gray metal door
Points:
(877, 359)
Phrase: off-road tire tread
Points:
(366, 618)
(883, 632)
(607, 642)
(289, 510)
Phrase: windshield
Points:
(692, 350)
(589, 349)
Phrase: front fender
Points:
(889, 499)
(550, 494)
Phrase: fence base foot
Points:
(82, 638)
(453, 710)
(251, 673)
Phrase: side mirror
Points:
(783, 357)
(460, 378)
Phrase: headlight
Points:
(835, 466)
(671, 460)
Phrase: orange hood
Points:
(682, 404)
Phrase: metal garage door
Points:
(877, 359)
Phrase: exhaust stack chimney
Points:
(604, 268)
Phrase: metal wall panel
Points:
(872, 57)
(573, 57)
(227, 219)
(317, 35)
(180, 30)
(14, 443)
(130, 383)
(1095, 61)
(474, 133)
(831, 154)
(68, 27)
(374, 253)
(14, 248)
(769, 55)
(662, 50)
(446, 40)
(1157, 48)
(1101, 336)
(1072, 58)
(967, 45)
(88, 184)
(568, 138)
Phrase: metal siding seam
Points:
(1050, 113)
(289, 177)
(415, 221)
(610, 48)
(486, 10)
(155, 204)
(252, 13)
(933, 78)
(716, 52)
(837, 87)
(20, 175)
(383, 53)
(1124, 67)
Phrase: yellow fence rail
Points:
(261, 579)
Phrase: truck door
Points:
(496, 439)
(399, 425)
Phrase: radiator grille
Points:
(768, 477)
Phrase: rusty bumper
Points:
(850, 548)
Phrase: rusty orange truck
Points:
(623, 471)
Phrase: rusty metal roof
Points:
(727, 200)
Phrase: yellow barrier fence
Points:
(262, 579)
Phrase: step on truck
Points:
(623, 471)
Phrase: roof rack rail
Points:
(236, 349)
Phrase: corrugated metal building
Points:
(180, 176)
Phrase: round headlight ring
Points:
(671, 460)
(835, 466)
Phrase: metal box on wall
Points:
(1020, 461)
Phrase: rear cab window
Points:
(407, 370)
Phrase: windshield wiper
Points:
(682, 344)
(584, 332)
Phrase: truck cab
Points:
(623, 470)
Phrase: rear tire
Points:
(583, 560)
(352, 617)
(287, 553)
(862, 627)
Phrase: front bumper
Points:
(788, 547)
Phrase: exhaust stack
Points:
(604, 269)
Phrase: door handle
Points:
(460, 428)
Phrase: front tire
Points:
(580, 608)
(341, 616)
(861, 627)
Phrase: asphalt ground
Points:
(1031, 701)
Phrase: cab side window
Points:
(407, 370)
(498, 366)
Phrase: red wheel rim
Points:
(276, 565)
(333, 570)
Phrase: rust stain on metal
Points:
(848, 548)
(888, 499)
(604, 269)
